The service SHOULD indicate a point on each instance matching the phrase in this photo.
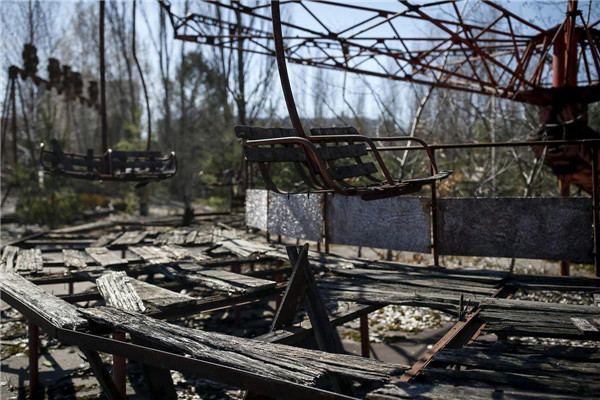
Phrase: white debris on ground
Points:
(394, 323)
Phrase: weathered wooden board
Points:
(244, 248)
(130, 238)
(269, 360)
(159, 297)
(176, 236)
(74, 259)
(29, 260)
(552, 228)
(9, 257)
(401, 223)
(127, 293)
(182, 254)
(105, 240)
(117, 291)
(296, 216)
(200, 237)
(57, 311)
(257, 201)
(105, 257)
(220, 279)
(152, 254)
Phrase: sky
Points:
(543, 13)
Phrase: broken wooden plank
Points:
(74, 259)
(105, 257)
(244, 248)
(129, 238)
(184, 254)
(269, 360)
(177, 236)
(117, 291)
(584, 325)
(158, 297)
(9, 256)
(152, 254)
(220, 280)
(29, 260)
(105, 240)
(58, 312)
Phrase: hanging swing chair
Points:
(111, 165)
(330, 159)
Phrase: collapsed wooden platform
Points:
(210, 257)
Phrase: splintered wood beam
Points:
(117, 291)
(269, 360)
(18, 290)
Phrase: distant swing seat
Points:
(330, 160)
(114, 165)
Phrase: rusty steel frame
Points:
(164, 359)
(490, 59)
(460, 334)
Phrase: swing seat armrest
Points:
(421, 142)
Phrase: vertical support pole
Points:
(365, 349)
(14, 120)
(564, 188)
(237, 311)
(325, 224)
(71, 288)
(434, 221)
(596, 206)
(103, 122)
(34, 375)
(120, 368)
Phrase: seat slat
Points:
(338, 130)
(352, 171)
(344, 151)
(278, 154)
(256, 133)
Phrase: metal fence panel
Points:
(296, 216)
(257, 208)
(401, 223)
(538, 228)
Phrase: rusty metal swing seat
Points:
(330, 161)
(318, 157)
(111, 165)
